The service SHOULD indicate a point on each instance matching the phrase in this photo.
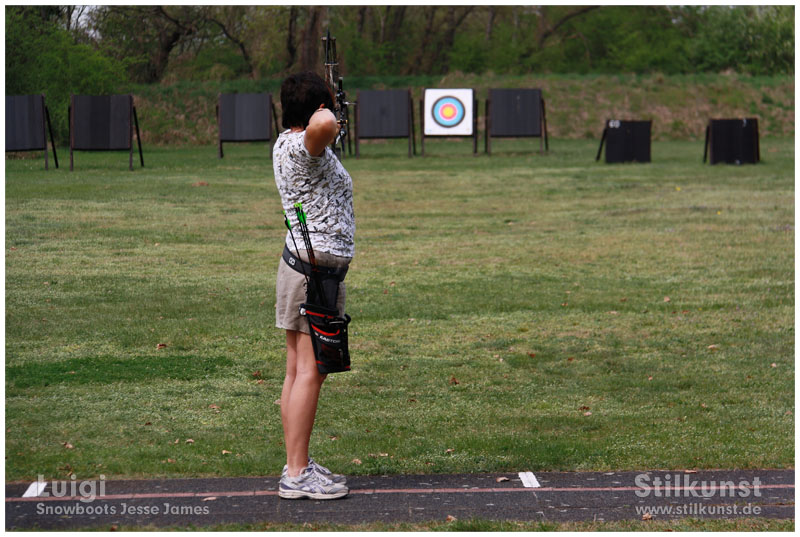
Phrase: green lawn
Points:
(512, 312)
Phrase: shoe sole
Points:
(299, 494)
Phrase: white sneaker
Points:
(310, 484)
(336, 478)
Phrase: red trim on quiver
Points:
(319, 315)
(325, 333)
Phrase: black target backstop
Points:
(385, 114)
(27, 122)
(626, 141)
(245, 117)
(103, 123)
(516, 113)
(732, 141)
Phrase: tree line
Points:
(218, 42)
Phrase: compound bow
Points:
(334, 82)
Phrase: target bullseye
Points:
(448, 111)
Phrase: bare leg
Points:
(299, 399)
(288, 381)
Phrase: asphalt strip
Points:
(525, 496)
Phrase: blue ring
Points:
(440, 103)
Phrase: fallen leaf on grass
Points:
(450, 450)
(532, 354)
(214, 407)
(200, 183)
(647, 516)
(356, 461)
(226, 452)
(773, 364)
(713, 347)
(584, 407)
(189, 441)
(453, 380)
(666, 299)
(587, 413)
(68, 445)
(161, 346)
(171, 461)
(177, 440)
(451, 518)
(257, 374)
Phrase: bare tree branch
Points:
(550, 31)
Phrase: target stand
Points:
(103, 123)
(732, 141)
(245, 117)
(516, 113)
(385, 114)
(626, 141)
(449, 113)
(26, 119)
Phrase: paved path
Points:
(539, 496)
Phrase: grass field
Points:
(512, 312)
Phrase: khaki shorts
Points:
(290, 291)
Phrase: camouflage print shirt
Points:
(324, 188)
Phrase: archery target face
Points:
(449, 112)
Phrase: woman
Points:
(308, 172)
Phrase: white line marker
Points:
(35, 489)
(529, 480)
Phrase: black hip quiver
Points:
(328, 337)
(327, 328)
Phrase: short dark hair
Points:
(301, 95)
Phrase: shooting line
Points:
(560, 496)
